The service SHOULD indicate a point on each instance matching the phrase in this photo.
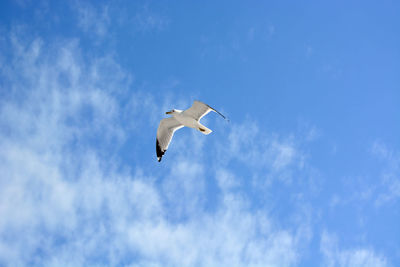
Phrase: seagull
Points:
(181, 118)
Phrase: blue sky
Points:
(306, 173)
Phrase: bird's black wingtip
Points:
(159, 151)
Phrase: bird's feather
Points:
(199, 109)
(165, 132)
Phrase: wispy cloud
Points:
(354, 257)
(148, 20)
(390, 175)
(277, 155)
(93, 19)
(66, 198)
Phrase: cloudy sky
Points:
(306, 173)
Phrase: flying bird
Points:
(181, 118)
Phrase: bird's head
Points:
(172, 112)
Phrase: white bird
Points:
(181, 118)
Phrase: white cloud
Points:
(277, 155)
(354, 257)
(66, 198)
(390, 176)
(226, 179)
(93, 20)
(380, 187)
(23, 3)
(148, 20)
(186, 180)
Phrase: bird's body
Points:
(188, 121)
(189, 118)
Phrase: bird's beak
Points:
(168, 112)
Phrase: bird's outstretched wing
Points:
(165, 132)
(199, 109)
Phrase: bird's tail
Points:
(204, 130)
